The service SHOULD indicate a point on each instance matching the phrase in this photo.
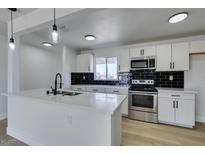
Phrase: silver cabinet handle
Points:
(170, 65)
(95, 90)
(173, 65)
(142, 51)
(89, 68)
(175, 95)
(173, 104)
(119, 67)
(177, 104)
(115, 91)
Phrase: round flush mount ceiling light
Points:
(47, 44)
(90, 37)
(178, 17)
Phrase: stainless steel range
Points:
(143, 101)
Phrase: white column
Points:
(68, 65)
(13, 67)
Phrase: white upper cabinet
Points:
(85, 63)
(143, 51)
(180, 56)
(197, 46)
(173, 57)
(123, 60)
(164, 54)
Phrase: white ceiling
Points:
(114, 27)
(5, 16)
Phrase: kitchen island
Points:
(36, 118)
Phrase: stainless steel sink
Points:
(64, 93)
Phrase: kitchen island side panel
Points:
(39, 123)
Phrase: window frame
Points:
(95, 77)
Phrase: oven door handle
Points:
(133, 93)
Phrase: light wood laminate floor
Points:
(138, 133)
(142, 133)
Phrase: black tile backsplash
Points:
(82, 78)
(142, 74)
(161, 78)
(88, 78)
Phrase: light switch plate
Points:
(171, 77)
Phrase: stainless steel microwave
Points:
(143, 63)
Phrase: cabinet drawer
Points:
(117, 91)
(78, 88)
(97, 89)
(176, 95)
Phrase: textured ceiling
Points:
(114, 27)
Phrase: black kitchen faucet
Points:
(56, 82)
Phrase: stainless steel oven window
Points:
(143, 101)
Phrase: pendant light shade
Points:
(54, 34)
(11, 40)
(11, 44)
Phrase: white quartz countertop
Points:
(181, 90)
(104, 86)
(107, 103)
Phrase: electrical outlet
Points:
(83, 77)
(171, 77)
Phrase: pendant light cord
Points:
(54, 16)
(11, 24)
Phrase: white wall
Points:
(38, 67)
(195, 79)
(3, 76)
(69, 57)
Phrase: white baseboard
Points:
(3, 116)
(200, 119)
(22, 137)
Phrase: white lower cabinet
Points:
(176, 109)
(109, 90)
(166, 110)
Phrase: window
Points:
(106, 68)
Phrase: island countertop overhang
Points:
(100, 102)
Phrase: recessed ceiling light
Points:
(47, 44)
(178, 17)
(90, 37)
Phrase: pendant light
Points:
(54, 34)
(11, 41)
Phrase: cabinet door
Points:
(166, 110)
(180, 56)
(185, 112)
(123, 60)
(150, 51)
(85, 63)
(197, 46)
(163, 57)
(135, 52)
